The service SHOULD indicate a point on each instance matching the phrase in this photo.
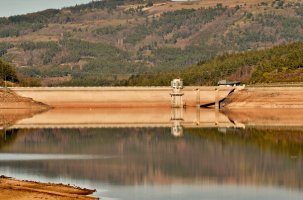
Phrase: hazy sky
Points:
(16, 7)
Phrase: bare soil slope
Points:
(266, 97)
(9, 99)
(14, 107)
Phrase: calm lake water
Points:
(150, 163)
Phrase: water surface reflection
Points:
(150, 163)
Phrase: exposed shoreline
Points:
(265, 97)
(14, 107)
(10, 100)
(26, 190)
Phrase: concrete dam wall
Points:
(94, 97)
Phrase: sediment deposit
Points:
(28, 190)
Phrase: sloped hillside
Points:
(106, 42)
(281, 64)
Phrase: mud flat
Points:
(26, 190)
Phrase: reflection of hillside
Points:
(281, 140)
(154, 156)
(10, 116)
(267, 117)
(7, 137)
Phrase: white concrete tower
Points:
(177, 94)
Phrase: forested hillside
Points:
(282, 64)
(7, 72)
(106, 42)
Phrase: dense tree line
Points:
(166, 44)
(107, 30)
(22, 24)
(15, 26)
(7, 72)
(109, 4)
(4, 46)
(170, 21)
(265, 64)
(260, 30)
(104, 63)
(299, 10)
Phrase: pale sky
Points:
(16, 7)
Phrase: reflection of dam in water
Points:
(176, 118)
(136, 156)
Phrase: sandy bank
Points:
(10, 100)
(26, 190)
(265, 97)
